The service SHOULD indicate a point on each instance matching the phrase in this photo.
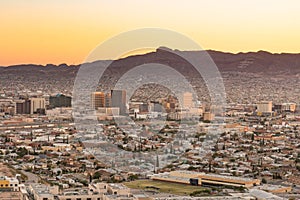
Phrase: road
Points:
(32, 178)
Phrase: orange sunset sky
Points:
(66, 31)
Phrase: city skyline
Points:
(149, 100)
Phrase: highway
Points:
(34, 126)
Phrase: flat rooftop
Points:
(117, 186)
(11, 195)
(234, 178)
(185, 176)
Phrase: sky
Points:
(67, 31)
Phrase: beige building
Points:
(289, 107)
(195, 178)
(187, 100)
(98, 191)
(12, 196)
(36, 103)
(43, 192)
(109, 111)
(83, 195)
(264, 107)
(208, 116)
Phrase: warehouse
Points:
(195, 178)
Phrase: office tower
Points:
(187, 100)
(23, 106)
(37, 105)
(264, 107)
(118, 99)
(107, 100)
(60, 100)
(98, 100)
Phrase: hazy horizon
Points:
(57, 32)
(142, 53)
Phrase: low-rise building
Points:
(9, 184)
(43, 192)
(194, 178)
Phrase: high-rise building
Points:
(23, 106)
(98, 100)
(107, 100)
(60, 100)
(37, 105)
(187, 100)
(118, 99)
(264, 107)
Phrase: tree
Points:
(200, 192)
(133, 177)
(235, 136)
(83, 167)
(97, 175)
(157, 161)
(264, 181)
(22, 152)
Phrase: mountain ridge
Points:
(209, 51)
(246, 76)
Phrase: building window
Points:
(68, 199)
(6, 185)
(78, 199)
(16, 185)
(45, 198)
(88, 198)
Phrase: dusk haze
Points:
(150, 100)
(56, 32)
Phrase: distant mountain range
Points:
(253, 62)
(248, 77)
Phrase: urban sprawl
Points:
(165, 152)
